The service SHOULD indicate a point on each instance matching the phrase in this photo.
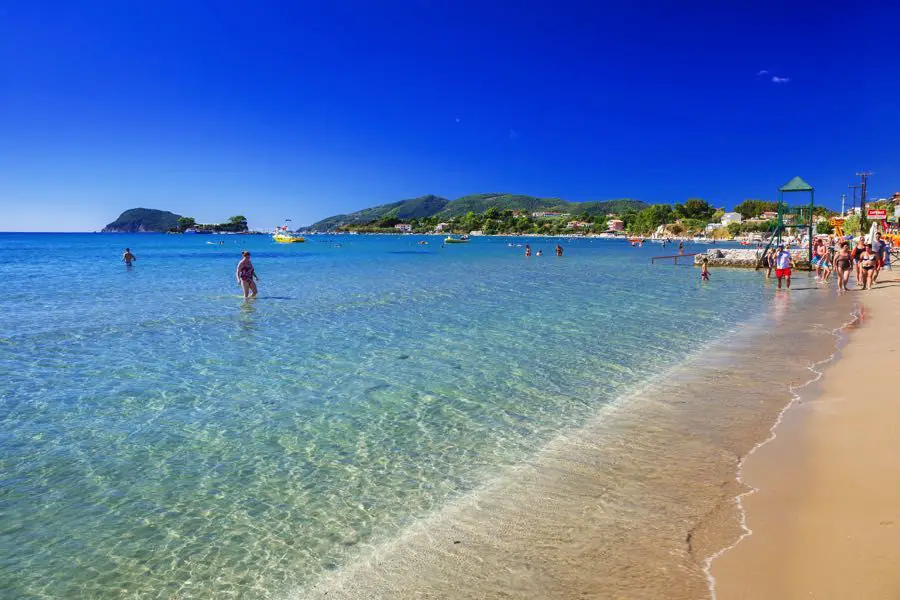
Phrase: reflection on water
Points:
(781, 304)
(246, 315)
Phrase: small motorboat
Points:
(288, 238)
(284, 236)
(463, 239)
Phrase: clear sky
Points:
(302, 110)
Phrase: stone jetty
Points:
(746, 258)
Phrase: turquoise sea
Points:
(163, 438)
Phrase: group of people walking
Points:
(865, 259)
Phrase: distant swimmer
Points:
(128, 257)
(559, 250)
(539, 252)
(527, 250)
(681, 247)
(246, 276)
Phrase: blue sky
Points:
(306, 109)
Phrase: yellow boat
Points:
(288, 238)
(460, 240)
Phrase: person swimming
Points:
(128, 257)
(559, 250)
(527, 250)
(539, 252)
(246, 276)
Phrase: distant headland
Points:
(437, 209)
(504, 214)
(151, 220)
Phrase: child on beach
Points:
(826, 262)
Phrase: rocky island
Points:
(151, 220)
(143, 220)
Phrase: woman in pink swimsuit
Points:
(246, 276)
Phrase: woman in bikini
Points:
(844, 264)
(246, 276)
(855, 253)
(867, 266)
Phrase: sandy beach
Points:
(825, 518)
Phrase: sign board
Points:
(877, 213)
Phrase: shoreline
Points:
(821, 506)
(644, 493)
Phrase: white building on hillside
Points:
(731, 217)
(403, 227)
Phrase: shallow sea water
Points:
(386, 420)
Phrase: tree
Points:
(733, 229)
(824, 227)
(236, 223)
(753, 208)
(647, 220)
(695, 208)
(676, 229)
(720, 233)
(186, 223)
(852, 225)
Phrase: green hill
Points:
(414, 208)
(429, 206)
(140, 220)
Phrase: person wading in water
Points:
(246, 276)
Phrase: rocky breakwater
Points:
(746, 258)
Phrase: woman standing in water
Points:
(844, 264)
(246, 276)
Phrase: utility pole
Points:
(863, 219)
(854, 188)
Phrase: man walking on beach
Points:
(879, 248)
(783, 264)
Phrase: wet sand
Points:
(825, 520)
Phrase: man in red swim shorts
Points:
(783, 264)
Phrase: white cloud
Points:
(763, 72)
(777, 79)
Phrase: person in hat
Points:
(784, 262)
